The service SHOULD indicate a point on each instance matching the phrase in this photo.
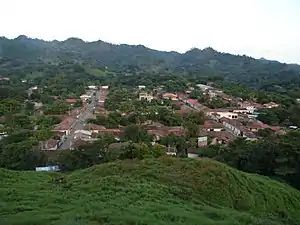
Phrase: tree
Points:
(135, 150)
(191, 129)
(136, 134)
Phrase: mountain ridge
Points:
(209, 48)
(124, 57)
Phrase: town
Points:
(90, 116)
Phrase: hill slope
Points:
(164, 191)
(137, 57)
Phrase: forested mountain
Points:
(206, 62)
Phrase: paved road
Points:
(80, 122)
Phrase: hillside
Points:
(204, 62)
(164, 191)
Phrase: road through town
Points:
(80, 121)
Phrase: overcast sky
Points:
(259, 28)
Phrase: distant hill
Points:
(195, 61)
(161, 191)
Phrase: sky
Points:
(258, 28)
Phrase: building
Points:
(65, 125)
(234, 127)
(202, 141)
(217, 114)
(47, 168)
(104, 87)
(145, 96)
(92, 87)
(141, 87)
(210, 125)
(50, 144)
(203, 87)
(171, 96)
(4, 78)
(94, 128)
(71, 101)
(85, 97)
(82, 134)
(271, 105)
(191, 102)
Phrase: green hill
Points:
(206, 62)
(163, 191)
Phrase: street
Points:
(80, 122)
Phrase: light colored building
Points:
(203, 87)
(85, 97)
(271, 105)
(171, 96)
(47, 168)
(219, 113)
(145, 96)
(202, 141)
(82, 134)
(141, 87)
(92, 87)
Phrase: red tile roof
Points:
(192, 101)
(71, 100)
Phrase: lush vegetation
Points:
(274, 156)
(161, 191)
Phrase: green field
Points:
(152, 191)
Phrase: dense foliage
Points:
(274, 156)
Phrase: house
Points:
(94, 127)
(216, 114)
(223, 137)
(182, 97)
(4, 78)
(47, 168)
(249, 105)
(92, 87)
(203, 87)
(145, 96)
(210, 125)
(104, 87)
(117, 133)
(256, 125)
(271, 105)
(141, 87)
(234, 127)
(65, 125)
(38, 105)
(85, 97)
(248, 110)
(50, 144)
(171, 96)
(71, 100)
(192, 102)
(202, 141)
(82, 134)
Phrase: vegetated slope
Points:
(138, 57)
(163, 191)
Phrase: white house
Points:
(219, 113)
(203, 87)
(85, 97)
(83, 134)
(47, 168)
(141, 87)
(92, 87)
(145, 96)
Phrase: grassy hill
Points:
(164, 191)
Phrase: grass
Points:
(152, 191)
